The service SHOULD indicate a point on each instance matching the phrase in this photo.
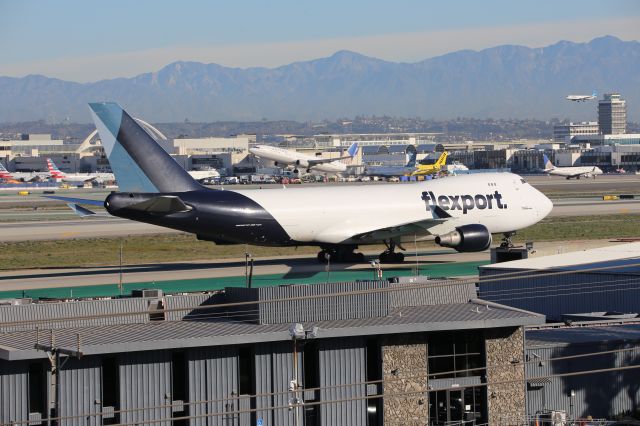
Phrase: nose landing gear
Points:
(506, 240)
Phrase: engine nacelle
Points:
(466, 238)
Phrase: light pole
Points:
(327, 256)
(247, 257)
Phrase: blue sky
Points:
(84, 40)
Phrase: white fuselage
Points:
(502, 202)
(289, 157)
(575, 172)
(85, 177)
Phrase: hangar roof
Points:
(622, 258)
(565, 336)
(157, 335)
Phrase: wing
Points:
(326, 160)
(418, 227)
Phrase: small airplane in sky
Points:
(582, 98)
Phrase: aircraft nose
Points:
(545, 206)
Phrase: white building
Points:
(564, 132)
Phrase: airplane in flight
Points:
(287, 157)
(22, 176)
(77, 178)
(582, 98)
(461, 212)
(430, 167)
(570, 172)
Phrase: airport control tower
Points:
(612, 114)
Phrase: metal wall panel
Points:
(553, 296)
(198, 385)
(213, 385)
(14, 385)
(264, 383)
(222, 386)
(441, 292)
(343, 361)
(317, 309)
(81, 392)
(145, 381)
(601, 395)
(189, 301)
(74, 310)
(282, 374)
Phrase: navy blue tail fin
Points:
(138, 162)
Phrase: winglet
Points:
(438, 213)
(80, 211)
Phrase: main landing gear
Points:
(390, 255)
(340, 254)
(506, 240)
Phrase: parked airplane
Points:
(460, 212)
(288, 157)
(582, 98)
(77, 178)
(21, 176)
(570, 172)
(390, 171)
(427, 167)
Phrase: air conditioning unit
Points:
(147, 292)
(554, 418)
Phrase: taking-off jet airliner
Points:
(459, 212)
(288, 157)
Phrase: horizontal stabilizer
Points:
(76, 200)
(80, 211)
(164, 204)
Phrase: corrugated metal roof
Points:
(179, 334)
(623, 255)
(576, 335)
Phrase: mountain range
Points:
(501, 82)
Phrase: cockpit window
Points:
(523, 181)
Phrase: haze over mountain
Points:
(501, 82)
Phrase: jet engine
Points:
(466, 238)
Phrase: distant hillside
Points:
(500, 82)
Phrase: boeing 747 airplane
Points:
(461, 212)
(570, 172)
(288, 157)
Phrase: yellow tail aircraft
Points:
(430, 169)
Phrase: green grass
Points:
(583, 228)
(184, 247)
